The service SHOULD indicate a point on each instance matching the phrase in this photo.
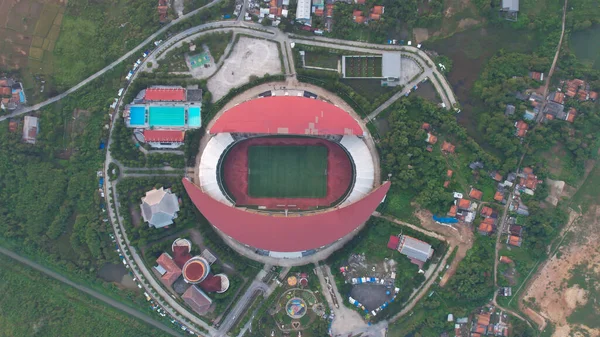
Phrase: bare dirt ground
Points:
(421, 34)
(556, 191)
(249, 57)
(552, 296)
(460, 236)
(466, 23)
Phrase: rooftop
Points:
(159, 207)
(197, 300)
(448, 147)
(287, 115)
(475, 194)
(168, 94)
(292, 233)
(414, 248)
(170, 271)
(164, 135)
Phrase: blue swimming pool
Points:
(167, 116)
(194, 116)
(137, 115)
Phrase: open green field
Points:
(363, 66)
(584, 49)
(321, 59)
(287, 171)
(35, 305)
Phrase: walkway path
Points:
(118, 305)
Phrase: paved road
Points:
(240, 306)
(93, 293)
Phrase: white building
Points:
(303, 10)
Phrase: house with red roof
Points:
(448, 147)
(522, 128)
(452, 211)
(499, 196)
(379, 10)
(431, 139)
(167, 269)
(486, 211)
(464, 204)
(475, 194)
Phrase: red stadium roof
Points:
(165, 94)
(287, 115)
(285, 234)
(164, 135)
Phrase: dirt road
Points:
(460, 236)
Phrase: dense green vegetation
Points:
(35, 305)
(416, 170)
(398, 17)
(49, 191)
(94, 35)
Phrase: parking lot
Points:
(249, 57)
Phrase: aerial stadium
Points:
(286, 177)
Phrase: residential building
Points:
(522, 128)
(448, 147)
(496, 176)
(534, 74)
(515, 230)
(159, 207)
(452, 211)
(505, 259)
(510, 110)
(487, 226)
(499, 196)
(487, 211)
(431, 139)
(514, 240)
(464, 204)
(475, 194)
(31, 128)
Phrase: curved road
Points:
(89, 291)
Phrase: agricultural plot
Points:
(362, 66)
(28, 34)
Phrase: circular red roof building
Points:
(195, 270)
(286, 225)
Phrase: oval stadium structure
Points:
(286, 176)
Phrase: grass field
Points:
(54, 309)
(321, 59)
(363, 66)
(287, 171)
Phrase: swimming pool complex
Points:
(194, 116)
(167, 116)
(137, 115)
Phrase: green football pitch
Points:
(287, 171)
